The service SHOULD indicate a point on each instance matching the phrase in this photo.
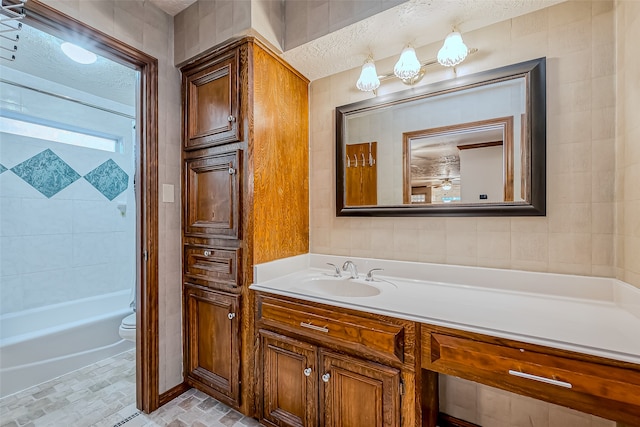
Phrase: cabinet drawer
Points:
(532, 371)
(370, 336)
(219, 265)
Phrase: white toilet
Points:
(127, 329)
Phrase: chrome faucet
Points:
(369, 277)
(351, 267)
(337, 272)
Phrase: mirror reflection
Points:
(466, 163)
(467, 146)
(430, 134)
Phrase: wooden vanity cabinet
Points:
(325, 367)
(289, 381)
(245, 201)
(591, 384)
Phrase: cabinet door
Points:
(213, 340)
(212, 105)
(289, 376)
(357, 393)
(212, 196)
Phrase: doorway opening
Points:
(98, 146)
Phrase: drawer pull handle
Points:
(231, 316)
(541, 379)
(326, 377)
(307, 372)
(207, 253)
(314, 327)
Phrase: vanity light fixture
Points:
(368, 80)
(453, 51)
(446, 184)
(409, 69)
(78, 54)
(408, 65)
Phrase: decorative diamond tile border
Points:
(109, 179)
(2, 168)
(46, 172)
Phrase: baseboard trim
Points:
(173, 392)
(445, 420)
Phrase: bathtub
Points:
(40, 344)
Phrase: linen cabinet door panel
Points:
(289, 375)
(357, 393)
(212, 192)
(212, 105)
(213, 340)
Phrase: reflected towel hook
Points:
(355, 156)
(348, 161)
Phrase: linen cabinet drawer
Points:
(369, 336)
(209, 264)
(537, 371)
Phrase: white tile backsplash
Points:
(46, 252)
(45, 216)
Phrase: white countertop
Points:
(592, 315)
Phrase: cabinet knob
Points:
(231, 119)
(307, 372)
(232, 171)
(231, 316)
(207, 253)
(326, 377)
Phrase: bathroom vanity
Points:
(349, 345)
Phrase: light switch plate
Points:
(167, 193)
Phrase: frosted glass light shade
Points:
(453, 51)
(446, 185)
(78, 54)
(368, 80)
(408, 65)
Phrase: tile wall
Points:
(145, 27)
(628, 144)
(309, 20)
(65, 232)
(207, 23)
(577, 235)
(284, 24)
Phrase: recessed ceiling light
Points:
(78, 54)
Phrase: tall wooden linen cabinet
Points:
(245, 201)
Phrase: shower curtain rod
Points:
(68, 98)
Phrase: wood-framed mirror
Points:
(470, 146)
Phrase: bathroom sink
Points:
(339, 287)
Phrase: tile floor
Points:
(103, 395)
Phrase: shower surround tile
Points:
(47, 173)
(109, 179)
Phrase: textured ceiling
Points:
(173, 7)
(420, 22)
(39, 54)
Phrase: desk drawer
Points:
(366, 335)
(219, 265)
(575, 381)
